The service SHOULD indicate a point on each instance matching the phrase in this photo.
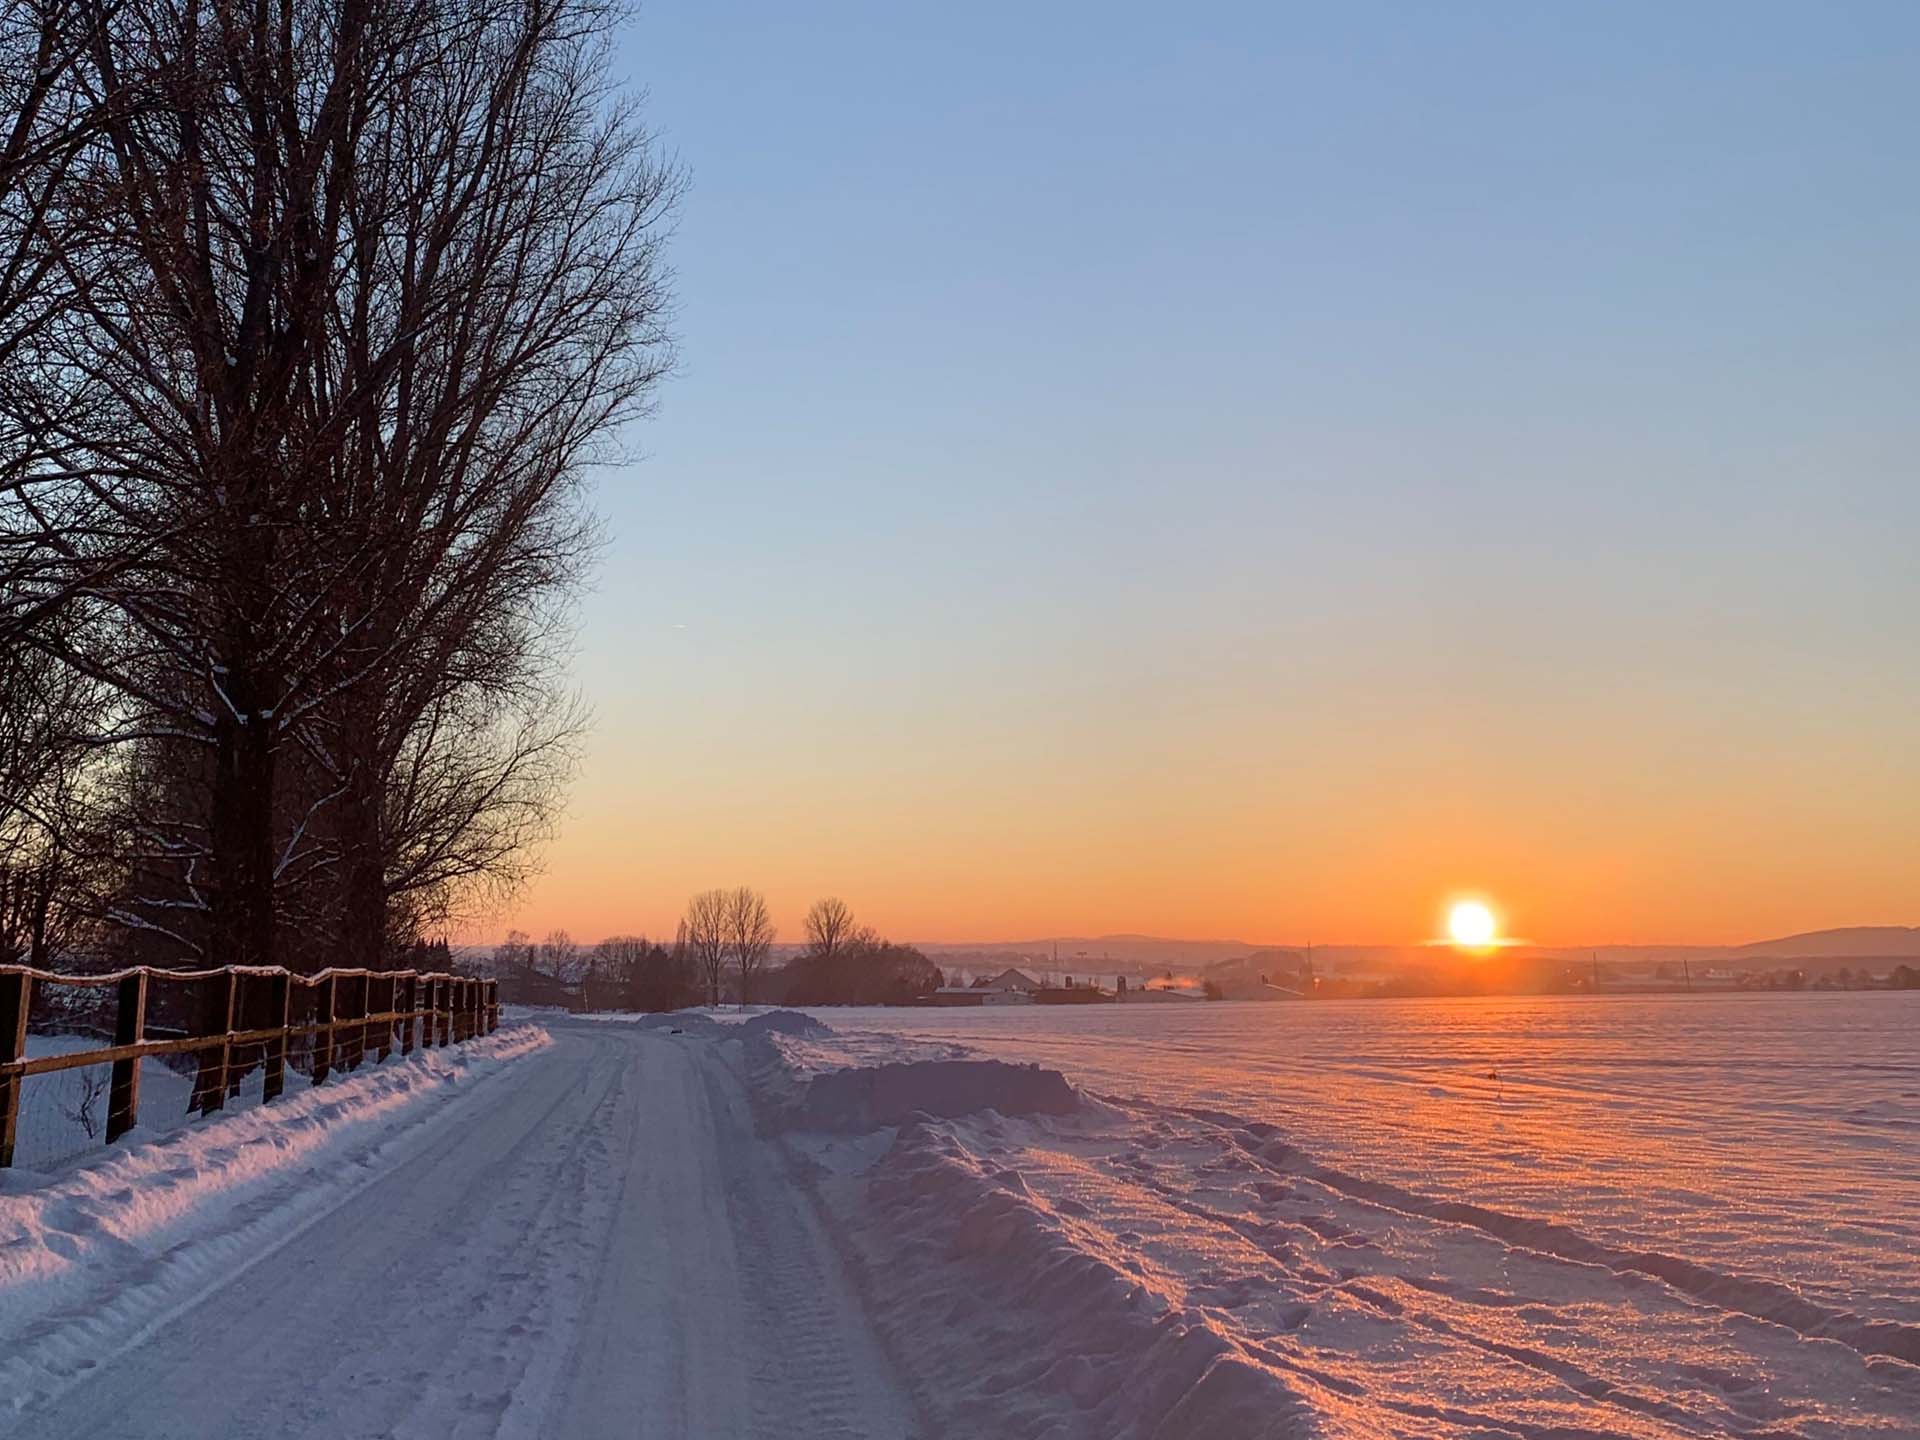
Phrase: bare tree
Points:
(46, 121)
(498, 310)
(616, 962)
(463, 812)
(707, 936)
(210, 225)
(516, 952)
(560, 957)
(45, 710)
(641, 975)
(349, 299)
(829, 926)
(750, 936)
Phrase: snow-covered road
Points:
(601, 1248)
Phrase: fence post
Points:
(366, 1009)
(216, 1097)
(236, 1071)
(353, 1047)
(129, 1028)
(343, 1056)
(323, 1034)
(387, 1007)
(274, 1066)
(15, 992)
(493, 1006)
(443, 1012)
(473, 1009)
(410, 1027)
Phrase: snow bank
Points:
(870, 1097)
(700, 1020)
(672, 1022)
(94, 1258)
(1009, 1317)
(1014, 1319)
(785, 1022)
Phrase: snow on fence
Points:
(327, 1021)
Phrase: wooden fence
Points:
(344, 1025)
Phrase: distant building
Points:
(1009, 987)
(523, 985)
(1008, 982)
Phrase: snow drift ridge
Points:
(1062, 1337)
(874, 1096)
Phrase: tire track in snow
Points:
(604, 1248)
(816, 1369)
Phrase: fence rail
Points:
(344, 1026)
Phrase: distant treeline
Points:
(720, 954)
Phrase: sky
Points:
(1260, 471)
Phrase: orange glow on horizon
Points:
(963, 834)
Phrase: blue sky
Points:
(1173, 422)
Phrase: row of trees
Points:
(312, 317)
(724, 925)
(846, 963)
(723, 949)
(622, 972)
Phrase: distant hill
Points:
(1155, 952)
(1848, 942)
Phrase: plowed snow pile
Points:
(870, 1097)
(1009, 1317)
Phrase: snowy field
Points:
(1631, 1216)
(1540, 1220)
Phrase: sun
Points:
(1471, 924)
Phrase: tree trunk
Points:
(44, 881)
(241, 828)
(363, 920)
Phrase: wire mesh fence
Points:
(62, 1116)
(83, 1059)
